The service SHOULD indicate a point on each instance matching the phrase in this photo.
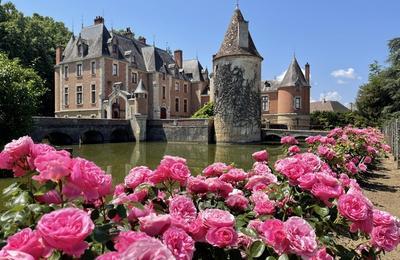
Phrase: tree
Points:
(206, 111)
(21, 90)
(33, 40)
(379, 99)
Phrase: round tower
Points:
(236, 85)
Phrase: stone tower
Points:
(236, 85)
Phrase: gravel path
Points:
(382, 187)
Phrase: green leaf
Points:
(270, 258)
(298, 210)
(248, 231)
(12, 189)
(95, 214)
(101, 235)
(112, 213)
(121, 211)
(321, 211)
(283, 257)
(257, 249)
(138, 205)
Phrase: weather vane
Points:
(237, 4)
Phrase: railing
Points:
(391, 130)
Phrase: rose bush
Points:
(304, 208)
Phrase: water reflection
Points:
(118, 159)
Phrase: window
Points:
(177, 86)
(134, 77)
(93, 68)
(297, 103)
(79, 95)
(114, 48)
(185, 105)
(163, 92)
(115, 69)
(80, 50)
(66, 97)
(79, 70)
(185, 88)
(177, 104)
(66, 72)
(265, 103)
(93, 94)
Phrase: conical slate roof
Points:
(230, 44)
(140, 88)
(294, 76)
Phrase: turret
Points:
(236, 85)
(140, 99)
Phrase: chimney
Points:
(243, 36)
(59, 51)
(178, 58)
(307, 70)
(98, 20)
(128, 33)
(142, 39)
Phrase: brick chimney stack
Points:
(142, 39)
(98, 20)
(59, 51)
(307, 70)
(178, 55)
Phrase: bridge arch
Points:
(92, 137)
(58, 138)
(272, 138)
(119, 135)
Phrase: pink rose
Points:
(216, 169)
(260, 156)
(53, 166)
(383, 218)
(356, 208)
(289, 140)
(219, 187)
(237, 201)
(307, 181)
(15, 255)
(153, 224)
(137, 176)
(217, 218)
(162, 173)
(301, 237)
(180, 172)
(351, 167)
(362, 167)
(273, 232)
(263, 206)
(50, 197)
(19, 148)
(197, 185)
(126, 238)
(146, 249)
(292, 168)
(109, 256)
(233, 175)
(261, 168)
(183, 211)
(260, 182)
(66, 229)
(179, 243)
(27, 241)
(221, 236)
(386, 237)
(88, 180)
(198, 230)
(367, 159)
(293, 149)
(136, 213)
(169, 160)
(39, 149)
(321, 254)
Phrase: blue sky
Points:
(338, 38)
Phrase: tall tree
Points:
(33, 40)
(379, 99)
(21, 90)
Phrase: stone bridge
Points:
(277, 134)
(79, 130)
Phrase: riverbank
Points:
(382, 187)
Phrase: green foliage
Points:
(326, 120)
(20, 93)
(33, 40)
(206, 111)
(379, 99)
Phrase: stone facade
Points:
(236, 86)
(98, 72)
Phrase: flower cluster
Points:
(295, 210)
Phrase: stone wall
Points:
(180, 130)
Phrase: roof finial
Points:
(197, 55)
(237, 4)
(72, 26)
(82, 21)
(154, 40)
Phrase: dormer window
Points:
(80, 50)
(114, 48)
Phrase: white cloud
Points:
(313, 100)
(344, 73)
(330, 95)
(341, 82)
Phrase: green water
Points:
(118, 158)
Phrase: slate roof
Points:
(294, 76)
(331, 106)
(230, 44)
(140, 88)
(194, 68)
(99, 42)
(270, 85)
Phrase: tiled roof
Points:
(332, 106)
(294, 76)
